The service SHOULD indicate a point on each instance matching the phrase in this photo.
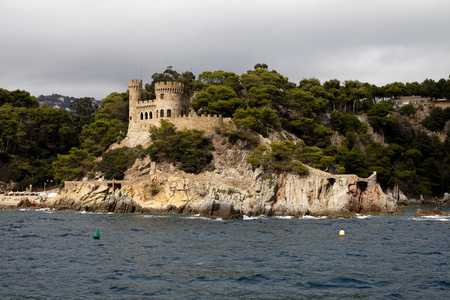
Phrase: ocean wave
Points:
(245, 217)
(432, 218)
(154, 216)
(283, 217)
(314, 218)
(363, 216)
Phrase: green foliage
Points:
(280, 158)
(344, 123)
(352, 161)
(73, 165)
(234, 134)
(289, 157)
(378, 116)
(190, 148)
(220, 77)
(315, 157)
(263, 87)
(305, 103)
(83, 106)
(217, 99)
(437, 119)
(18, 98)
(407, 110)
(381, 109)
(114, 107)
(154, 189)
(36, 132)
(309, 131)
(115, 162)
(98, 136)
(257, 119)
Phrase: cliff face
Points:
(232, 190)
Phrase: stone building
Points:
(170, 104)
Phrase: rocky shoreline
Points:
(227, 194)
(232, 190)
(118, 202)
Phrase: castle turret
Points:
(169, 98)
(135, 92)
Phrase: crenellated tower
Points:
(169, 98)
(135, 96)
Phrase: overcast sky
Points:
(92, 47)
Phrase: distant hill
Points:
(59, 101)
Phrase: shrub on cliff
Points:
(407, 110)
(281, 157)
(437, 119)
(188, 148)
(250, 138)
(344, 123)
(290, 157)
(115, 162)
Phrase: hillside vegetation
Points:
(40, 144)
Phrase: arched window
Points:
(146, 115)
(131, 118)
(151, 115)
(161, 114)
(169, 113)
(142, 116)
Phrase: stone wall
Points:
(138, 132)
(440, 103)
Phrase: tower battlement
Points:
(169, 88)
(135, 84)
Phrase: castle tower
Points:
(169, 98)
(135, 91)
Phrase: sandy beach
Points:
(14, 200)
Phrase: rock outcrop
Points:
(234, 189)
(429, 212)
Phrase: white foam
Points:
(432, 218)
(363, 216)
(283, 217)
(314, 218)
(245, 217)
(154, 216)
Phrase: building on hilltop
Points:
(413, 100)
(170, 104)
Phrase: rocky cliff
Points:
(232, 190)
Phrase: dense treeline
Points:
(39, 143)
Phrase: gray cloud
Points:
(91, 48)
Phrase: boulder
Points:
(446, 199)
(215, 209)
(25, 202)
(430, 212)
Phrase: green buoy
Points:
(96, 234)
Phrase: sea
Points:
(47, 254)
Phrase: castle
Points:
(170, 104)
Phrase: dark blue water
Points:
(53, 255)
